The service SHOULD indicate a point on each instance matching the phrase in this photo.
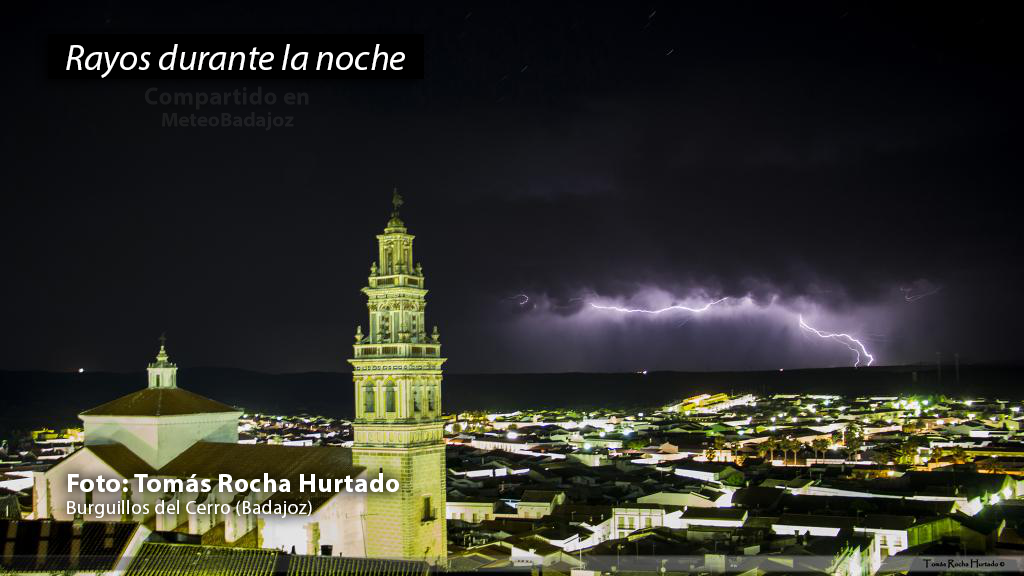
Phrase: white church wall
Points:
(158, 440)
(338, 524)
(52, 494)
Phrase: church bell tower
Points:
(398, 427)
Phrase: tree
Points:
(636, 444)
(771, 445)
(791, 445)
(887, 453)
(852, 430)
(719, 446)
(853, 438)
(908, 450)
(820, 446)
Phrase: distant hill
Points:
(34, 398)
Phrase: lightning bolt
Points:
(855, 345)
(674, 308)
(909, 296)
(523, 299)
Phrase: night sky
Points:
(852, 164)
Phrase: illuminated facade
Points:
(398, 427)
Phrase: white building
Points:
(164, 431)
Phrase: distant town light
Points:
(81, 370)
(512, 435)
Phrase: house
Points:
(58, 547)
(539, 503)
(703, 498)
(723, 517)
(469, 509)
(708, 471)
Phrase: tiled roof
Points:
(159, 559)
(159, 402)
(539, 496)
(165, 559)
(209, 459)
(50, 546)
(339, 566)
(120, 458)
(887, 521)
(243, 461)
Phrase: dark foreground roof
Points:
(160, 559)
(54, 547)
(121, 458)
(159, 402)
(156, 559)
(338, 566)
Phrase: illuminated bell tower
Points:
(398, 427)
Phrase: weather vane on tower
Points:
(396, 199)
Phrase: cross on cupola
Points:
(163, 373)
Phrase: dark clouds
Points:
(816, 158)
